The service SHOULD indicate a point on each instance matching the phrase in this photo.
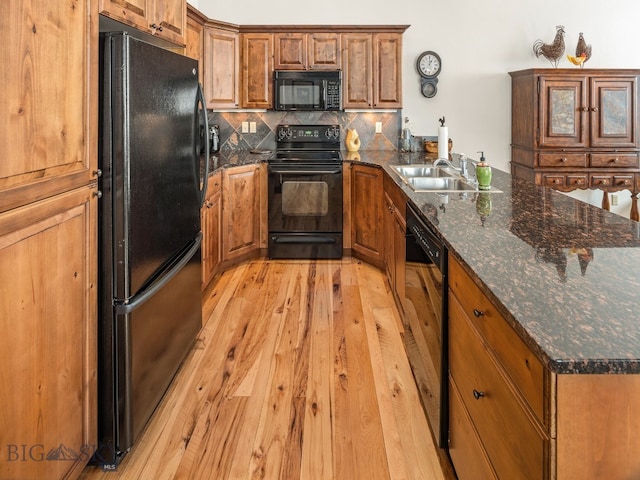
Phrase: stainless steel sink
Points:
(410, 171)
(442, 184)
(427, 178)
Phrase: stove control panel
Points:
(308, 133)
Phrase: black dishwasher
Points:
(426, 320)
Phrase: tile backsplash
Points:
(232, 138)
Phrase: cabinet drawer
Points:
(614, 160)
(597, 181)
(557, 181)
(523, 368)
(515, 447)
(562, 160)
(465, 448)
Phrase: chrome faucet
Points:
(446, 161)
(463, 162)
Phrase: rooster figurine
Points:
(582, 49)
(554, 51)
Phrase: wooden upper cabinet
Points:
(194, 39)
(357, 75)
(257, 70)
(562, 117)
(221, 68)
(324, 51)
(165, 19)
(290, 51)
(387, 69)
(170, 18)
(372, 70)
(49, 120)
(307, 51)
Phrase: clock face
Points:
(429, 64)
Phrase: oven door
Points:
(305, 210)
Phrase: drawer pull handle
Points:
(556, 180)
(478, 313)
(477, 395)
(615, 160)
(564, 159)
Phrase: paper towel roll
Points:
(443, 142)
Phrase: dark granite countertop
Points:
(562, 272)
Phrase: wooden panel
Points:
(324, 51)
(357, 75)
(562, 112)
(614, 160)
(48, 389)
(562, 160)
(257, 70)
(211, 220)
(598, 425)
(523, 368)
(516, 448)
(614, 112)
(465, 448)
(367, 217)
(240, 221)
(387, 70)
(133, 12)
(47, 130)
(221, 68)
(290, 51)
(170, 17)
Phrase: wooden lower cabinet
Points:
(395, 226)
(512, 418)
(211, 220)
(241, 229)
(48, 346)
(367, 234)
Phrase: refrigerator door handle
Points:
(200, 99)
(146, 294)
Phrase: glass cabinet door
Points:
(612, 112)
(562, 115)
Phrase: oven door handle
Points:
(305, 172)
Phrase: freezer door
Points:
(153, 158)
(152, 339)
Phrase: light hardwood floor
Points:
(299, 373)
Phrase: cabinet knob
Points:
(97, 173)
(564, 159)
(585, 109)
(477, 395)
(556, 180)
(626, 181)
(154, 26)
(604, 182)
(97, 194)
(615, 160)
(478, 313)
(594, 109)
(579, 181)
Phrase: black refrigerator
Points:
(149, 304)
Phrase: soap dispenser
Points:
(483, 173)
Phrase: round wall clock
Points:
(429, 64)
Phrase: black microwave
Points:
(307, 90)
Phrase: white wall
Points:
(479, 42)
